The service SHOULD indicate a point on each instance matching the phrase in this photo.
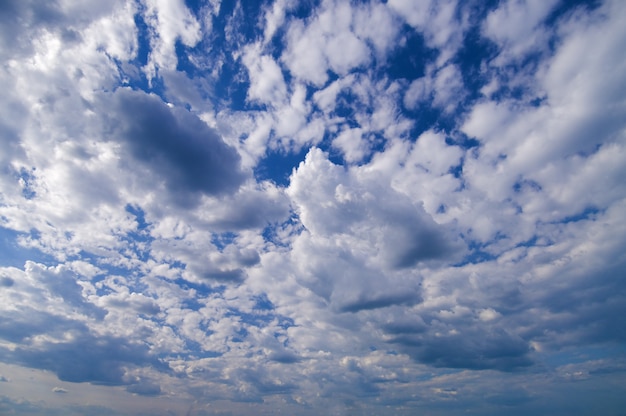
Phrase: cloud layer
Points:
(331, 207)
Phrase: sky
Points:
(305, 207)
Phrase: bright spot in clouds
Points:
(312, 207)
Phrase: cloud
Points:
(514, 26)
(445, 88)
(300, 207)
(381, 302)
(144, 389)
(333, 202)
(267, 84)
(324, 42)
(188, 155)
(171, 22)
(478, 350)
(84, 359)
(438, 21)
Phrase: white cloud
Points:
(267, 84)
(304, 56)
(515, 27)
(375, 23)
(568, 133)
(275, 17)
(443, 85)
(438, 22)
(353, 145)
(325, 41)
(171, 21)
(326, 99)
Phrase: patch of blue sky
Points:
(196, 6)
(137, 245)
(590, 213)
(231, 89)
(285, 322)
(476, 50)
(195, 351)
(271, 232)
(565, 8)
(278, 164)
(526, 184)
(462, 140)
(408, 60)
(263, 303)
(223, 240)
(135, 75)
(260, 318)
(26, 178)
(426, 117)
(348, 105)
(531, 242)
(202, 289)
(478, 253)
(14, 254)
(139, 215)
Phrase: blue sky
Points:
(312, 207)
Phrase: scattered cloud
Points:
(228, 208)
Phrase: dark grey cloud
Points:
(248, 210)
(86, 358)
(284, 357)
(225, 276)
(144, 388)
(263, 383)
(420, 243)
(590, 307)
(17, 326)
(175, 146)
(471, 348)
(380, 301)
(63, 283)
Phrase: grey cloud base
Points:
(175, 146)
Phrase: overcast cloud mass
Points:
(216, 207)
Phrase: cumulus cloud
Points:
(171, 22)
(323, 42)
(515, 27)
(444, 87)
(332, 202)
(189, 155)
(389, 206)
(60, 390)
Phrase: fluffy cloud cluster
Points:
(342, 208)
